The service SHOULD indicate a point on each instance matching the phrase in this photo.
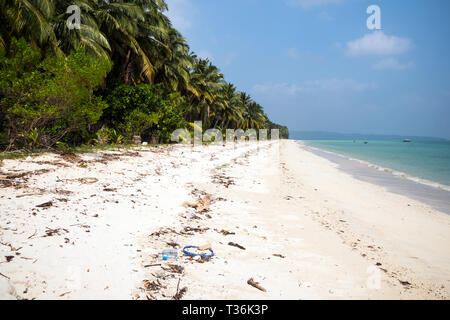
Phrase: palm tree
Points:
(244, 102)
(256, 115)
(29, 19)
(88, 37)
(230, 114)
(173, 62)
(207, 81)
(141, 41)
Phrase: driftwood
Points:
(236, 245)
(152, 265)
(45, 205)
(255, 284)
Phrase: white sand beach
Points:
(310, 231)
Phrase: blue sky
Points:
(315, 66)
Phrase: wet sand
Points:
(435, 197)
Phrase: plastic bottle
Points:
(168, 254)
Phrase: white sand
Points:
(276, 197)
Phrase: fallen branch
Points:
(236, 245)
(255, 284)
(152, 265)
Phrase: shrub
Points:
(45, 99)
(145, 110)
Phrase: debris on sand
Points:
(173, 268)
(180, 294)
(223, 180)
(226, 232)
(202, 205)
(404, 283)
(5, 183)
(52, 232)
(45, 205)
(70, 157)
(88, 180)
(188, 230)
(255, 284)
(163, 231)
(279, 255)
(52, 163)
(172, 244)
(236, 245)
(154, 285)
(152, 265)
(27, 173)
(9, 180)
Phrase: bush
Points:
(44, 100)
(145, 110)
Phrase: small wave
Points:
(388, 170)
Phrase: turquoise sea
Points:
(423, 161)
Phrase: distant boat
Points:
(365, 142)
(407, 140)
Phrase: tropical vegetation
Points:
(125, 72)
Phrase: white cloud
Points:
(311, 3)
(392, 64)
(377, 43)
(295, 54)
(180, 13)
(204, 54)
(314, 86)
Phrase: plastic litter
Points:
(188, 253)
(169, 254)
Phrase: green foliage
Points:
(171, 118)
(107, 135)
(50, 78)
(145, 110)
(137, 122)
(115, 137)
(63, 147)
(32, 138)
(284, 131)
(125, 99)
(44, 100)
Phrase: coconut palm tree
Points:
(173, 62)
(207, 81)
(244, 102)
(143, 45)
(30, 19)
(230, 113)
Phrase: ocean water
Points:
(426, 162)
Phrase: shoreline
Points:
(310, 231)
(429, 192)
(394, 172)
